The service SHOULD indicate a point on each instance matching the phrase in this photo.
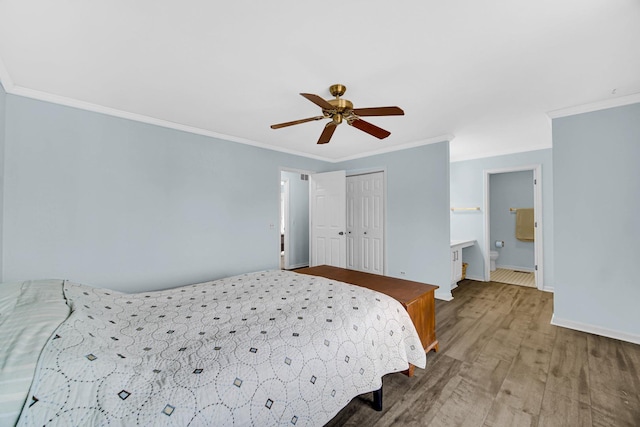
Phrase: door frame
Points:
(537, 208)
(287, 236)
(285, 218)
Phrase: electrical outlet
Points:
(272, 226)
(403, 273)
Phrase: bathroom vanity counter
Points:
(459, 244)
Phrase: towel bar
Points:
(465, 209)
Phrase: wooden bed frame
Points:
(417, 298)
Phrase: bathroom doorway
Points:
(513, 226)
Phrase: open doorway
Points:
(294, 219)
(513, 226)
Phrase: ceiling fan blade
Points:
(327, 133)
(296, 122)
(320, 102)
(379, 111)
(370, 129)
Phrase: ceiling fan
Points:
(340, 109)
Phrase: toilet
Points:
(493, 256)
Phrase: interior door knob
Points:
(341, 233)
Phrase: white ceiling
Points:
(483, 72)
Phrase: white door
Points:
(327, 195)
(365, 223)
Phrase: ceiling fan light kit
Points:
(339, 110)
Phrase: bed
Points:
(265, 348)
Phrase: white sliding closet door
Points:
(365, 222)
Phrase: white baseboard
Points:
(594, 329)
(479, 279)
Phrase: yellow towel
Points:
(524, 224)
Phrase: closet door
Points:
(353, 250)
(365, 223)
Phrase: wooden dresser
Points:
(417, 298)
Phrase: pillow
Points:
(30, 312)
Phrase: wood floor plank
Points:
(507, 339)
(524, 385)
(612, 370)
(486, 372)
(471, 340)
(505, 297)
(471, 335)
(538, 341)
(631, 353)
(519, 400)
(602, 416)
(503, 415)
(559, 410)
(614, 389)
(541, 321)
(404, 396)
(569, 368)
(423, 400)
(528, 300)
(468, 405)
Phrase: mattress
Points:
(265, 348)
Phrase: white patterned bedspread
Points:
(269, 348)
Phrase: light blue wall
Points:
(417, 219)
(510, 190)
(298, 220)
(121, 204)
(3, 100)
(596, 164)
(467, 190)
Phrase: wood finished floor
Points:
(501, 363)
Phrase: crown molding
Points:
(497, 153)
(5, 79)
(442, 138)
(595, 106)
(87, 106)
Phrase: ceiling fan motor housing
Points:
(340, 106)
